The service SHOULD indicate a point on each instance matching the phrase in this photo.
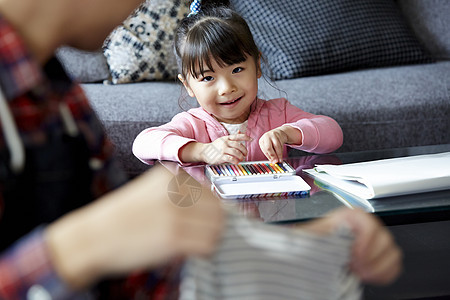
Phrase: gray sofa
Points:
(377, 109)
(380, 108)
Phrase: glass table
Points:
(421, 236)
(407, 209)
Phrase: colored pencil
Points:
(281, 167)
(242, 170)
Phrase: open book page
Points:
(388, 177)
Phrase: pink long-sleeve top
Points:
(321, 134)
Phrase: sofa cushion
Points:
(303, 38)
(142, 47)
(84, 66)
(430, 20)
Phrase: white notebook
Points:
(388, 177)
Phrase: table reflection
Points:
(323, 198)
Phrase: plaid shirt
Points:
(34, 96)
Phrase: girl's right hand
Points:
(227, 149)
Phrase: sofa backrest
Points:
(430, 21)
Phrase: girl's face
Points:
(227, 92)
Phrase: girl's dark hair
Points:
(214, 34)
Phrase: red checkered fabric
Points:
(34, 95)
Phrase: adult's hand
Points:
(134, 227)
(375, 257)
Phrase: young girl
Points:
(219, 65)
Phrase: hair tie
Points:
(195, 7)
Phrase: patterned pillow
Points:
(142, 47)
(308, 37)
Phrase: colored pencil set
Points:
(249, 168)
(256, 179)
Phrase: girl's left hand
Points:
(271, 144)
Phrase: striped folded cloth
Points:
(263, 261)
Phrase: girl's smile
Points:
(230, 103)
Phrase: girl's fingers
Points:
(238, 146)
(236, 153)
(271, 155)
(240, 137)
(231, 159)
(278, 148)
(273, 149)
(228, 149)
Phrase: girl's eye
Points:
(207, 78)
(237, 70)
